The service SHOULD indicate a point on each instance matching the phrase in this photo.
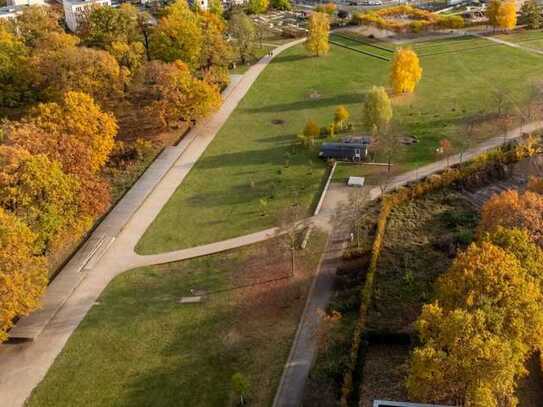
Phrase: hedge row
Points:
(423, 20)
(502, 156)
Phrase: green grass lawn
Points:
(139, 347)
(530, 39)
(252, 170)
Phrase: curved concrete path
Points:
(23, 365)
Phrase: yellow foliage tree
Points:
(506, 17)
(258, 6)
(80, 134)
(175, 94)
(492, 12)
(38, 192)
(487, 277)
(23, 276)
(377, 111)
(462, 362)
(486, 321)
(178, 35)
(406, 71)
(341, 115)
(317, 40)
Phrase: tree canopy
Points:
(406, 71)
(317, 39)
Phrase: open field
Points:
(252, 169)
(530, 39)
(139, 347)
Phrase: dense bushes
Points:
(418, 20)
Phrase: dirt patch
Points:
(278, 122)
(384, 372)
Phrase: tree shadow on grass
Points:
(203, 354)
(310, 103)
(290, 58)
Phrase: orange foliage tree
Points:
(513, 210)
(23, 276)
(173, 93)
(406, 71)
(71, 68)
(77, 134)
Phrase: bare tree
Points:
(357, 203)
(391, 143)
(290, 226)
(470, 127)
(502, 101)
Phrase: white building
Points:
(15, 7)
(75, 9)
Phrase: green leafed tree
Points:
(243, 31)
(530, 14)
(377, 111)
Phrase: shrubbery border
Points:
(505, 154)
(423, 19)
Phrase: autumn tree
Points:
(462, 362)
(502, 14)
(34, 22)
(173, 93)
(487, 303)
(178, 35)
(535, 184)
(39, 193)
(15, 72)
(514, 210)
(243, 30)
(507, 15)
(77, 134)
(377, 111)
(281, 4)
(311, 129)
(216, 51)
(105, 25)
(530, 14)
(492, 12)
(406, 71)
(519, 243)
(216, 7)
(258, 6)
(80, 69)
(341, 115)
(23, 275)
(128, 55)
(317, 39)
(328, 8)
(488, 277)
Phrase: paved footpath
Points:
(503, 42)
(23, 365)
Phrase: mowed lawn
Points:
(139, 347)
(252, 169)
(529, 39)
